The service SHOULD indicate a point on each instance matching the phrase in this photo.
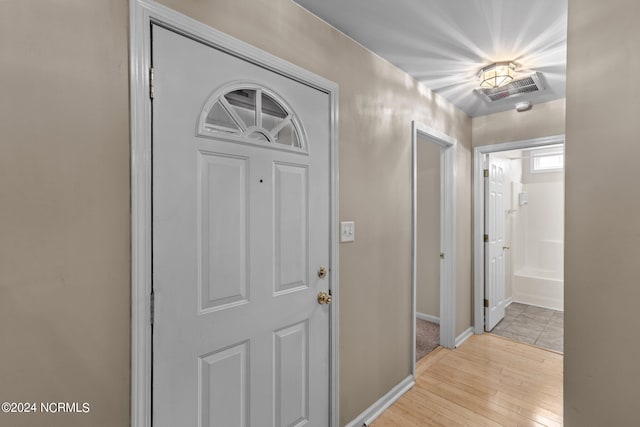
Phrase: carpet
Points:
(427, 337)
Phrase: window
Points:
(543, 161)
(253, 114)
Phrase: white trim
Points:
(428, 318)
(140, 111)
(142, 13)
(447, 233)
(370, 414)
(478, 215)
(464, 336)
(507, 302)
(537, 301)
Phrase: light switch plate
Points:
(347, 231)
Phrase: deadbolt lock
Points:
(322, 272)
(324, 298)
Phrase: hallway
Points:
(488, 381)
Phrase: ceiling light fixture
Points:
(496, 75)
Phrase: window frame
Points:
(207, 130)
(537, 154)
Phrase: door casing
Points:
(142, 13)
(478, 215)
(447, 233)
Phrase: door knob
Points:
(324, 298)
(504, 248)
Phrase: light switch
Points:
(347, 231)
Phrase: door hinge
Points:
(486, 237)
(486, 302)
(152, 306)
(486, 173)
(151, 88)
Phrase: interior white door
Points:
(494, 246)
(240, 230)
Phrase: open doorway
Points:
(428, 246)
(521, 281)
(433, 229)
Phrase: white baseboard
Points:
(464, 336)
(540, 302)
(370, 414)
(508, 302)
(428, 318)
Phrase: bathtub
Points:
(543, 288)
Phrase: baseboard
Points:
(540, 302)
(507, 302)
(370, 414)
(464, 336)
(428, 318)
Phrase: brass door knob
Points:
(504, 248)
(324, 298)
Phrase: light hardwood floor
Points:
(487, 381)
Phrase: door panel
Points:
(223, 205)
(223, 380)
(291, 402)
(494, 252)
(291, 228)
(240, 227)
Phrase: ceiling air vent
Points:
(529, 84)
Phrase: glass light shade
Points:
(496, 75)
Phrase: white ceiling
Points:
(443, 43)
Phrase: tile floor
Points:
(529, 324)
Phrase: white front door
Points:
(241, 176)
(494, 246)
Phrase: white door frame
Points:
(447, 233)
(478, 215)
(142, 13)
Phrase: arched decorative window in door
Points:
(252, 113)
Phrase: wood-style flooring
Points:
(487, 381)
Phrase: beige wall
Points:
(64, 277)
(602, 229)
(464, 294)
(542, 120)
(428, 228)
(64, 209)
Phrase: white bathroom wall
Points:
(538, 268)
(543, 221)
(518, 241)
(534, 233)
